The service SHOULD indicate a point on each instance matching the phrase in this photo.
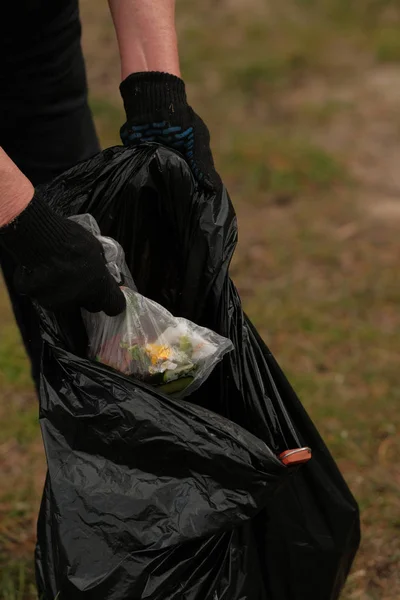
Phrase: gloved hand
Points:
(61, 265)
(157, 111)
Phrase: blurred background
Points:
(302, 99)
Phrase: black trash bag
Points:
(148, 497)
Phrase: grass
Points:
(282, 166)
(16, 582)
(279, 84)
(14, 364)
(387, 41)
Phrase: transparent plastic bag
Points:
(147, 341)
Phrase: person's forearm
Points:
(146, 35)
(16, 191)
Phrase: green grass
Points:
(318, 272)
(281, 165)
(109, 118)
(16, 583)
(322, 113)
(14, 368)
(387, 41)
(22, 420)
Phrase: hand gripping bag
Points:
(151, 497)
(145, 341)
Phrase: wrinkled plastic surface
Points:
(146, 341)
(114, 255)
(156, 498)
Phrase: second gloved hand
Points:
(61, 265)
(157, 111)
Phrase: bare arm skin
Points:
(16, 191)
(146, 35)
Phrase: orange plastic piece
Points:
(298, 456)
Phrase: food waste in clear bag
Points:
(147, 341)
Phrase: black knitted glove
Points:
(157, 111)
(61, 265)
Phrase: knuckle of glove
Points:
(195, 146)
(106, 296)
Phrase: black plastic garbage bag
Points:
(152, 498)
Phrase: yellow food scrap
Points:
(157, 352)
